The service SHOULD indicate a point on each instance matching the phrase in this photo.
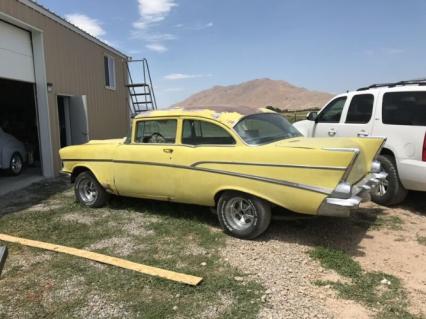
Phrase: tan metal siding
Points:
(75, 67)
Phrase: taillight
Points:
(424, 149)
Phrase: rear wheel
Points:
(243, 216)
(16, 164)
(390, 190)
(89, 192)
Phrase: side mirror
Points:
(312, 116)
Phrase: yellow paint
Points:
(185, 183)
(153, 271)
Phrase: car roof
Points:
(227, 115)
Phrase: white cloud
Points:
(383, 51)
(152, 11)
(173, 90)
(393, 51)
(206, 26)
(157, 47)
(183, 76)
(91, 26)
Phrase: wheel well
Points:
(389, 153)
(218, 194)
(77, 171)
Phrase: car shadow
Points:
(415, 203)
(333, 232)
(32, 195)
(174, 210)
(337, 233)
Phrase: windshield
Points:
(265, 128)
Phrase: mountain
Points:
(259, 93)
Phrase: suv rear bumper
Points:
(360, 192)
(413, 174)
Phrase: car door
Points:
(327, 124)
(142, 165)
(358, 117)
(203, 143)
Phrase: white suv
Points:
(393, 110)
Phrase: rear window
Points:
(360, 109)
(404, 108)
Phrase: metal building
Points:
(58, 85)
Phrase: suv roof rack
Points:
(393, 84)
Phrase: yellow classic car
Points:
(239, 160)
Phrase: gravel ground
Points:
(285, 270)
(279, 259)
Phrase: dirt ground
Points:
(389, 240)
(381, 239)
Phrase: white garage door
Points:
(16, 54)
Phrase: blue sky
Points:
(192, 45)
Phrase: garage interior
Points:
(18, 117)
(18, 106)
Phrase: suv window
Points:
(156, 131)
(360, 109)
(201, 132)
(333, 111)
(404, 108)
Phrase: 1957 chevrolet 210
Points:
(240, 162)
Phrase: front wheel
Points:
(243, 216)
(89, 192)
(390, 190)
(16, 164)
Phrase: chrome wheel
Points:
(382, 188)
(240, 213)
(87, 191)
(16, 164)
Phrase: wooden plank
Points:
(153, 271)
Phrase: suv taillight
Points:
(424, 149)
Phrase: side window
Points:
(204, 133)
(404, 108)
(333, 111)
(109, 69)
(360, 109)
(156, 131)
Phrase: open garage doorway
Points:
(73, 124)
(19, 136)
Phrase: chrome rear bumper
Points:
(347, 197)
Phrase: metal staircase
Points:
(141, 91)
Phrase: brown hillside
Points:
(259, 93)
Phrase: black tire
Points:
(16, 164)
(390, 192)
(248, 223)
(89, 192)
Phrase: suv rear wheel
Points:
(390, 190)
(243, 216)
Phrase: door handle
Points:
(332, 132)
(168, 150)
(362, 134)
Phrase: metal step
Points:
(138, 94)
(143, 102)
(135, 85)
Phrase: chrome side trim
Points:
(337, 168)
(315, 189)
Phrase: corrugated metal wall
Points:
(75, 66)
